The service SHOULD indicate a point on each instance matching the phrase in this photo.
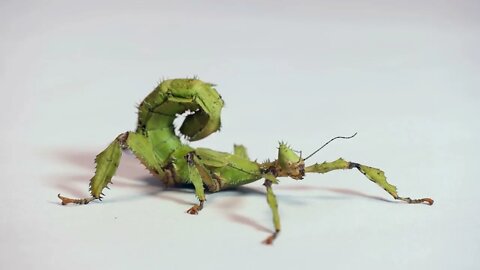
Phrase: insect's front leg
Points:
(373, 174)
(272, 202)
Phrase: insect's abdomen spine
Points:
(172, 97)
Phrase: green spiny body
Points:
(156, 114)
(163, 153)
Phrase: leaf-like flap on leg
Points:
(106, 166)
(142, 148)
(378, 176)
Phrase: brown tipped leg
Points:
(66, 200)
(196, 208)
(270, 239)
(272, 202)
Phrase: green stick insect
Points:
(162, 152)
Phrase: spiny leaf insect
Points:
(158, 147)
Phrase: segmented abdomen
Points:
(173, 97)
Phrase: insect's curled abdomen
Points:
(173, 97)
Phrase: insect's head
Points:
(290, 164)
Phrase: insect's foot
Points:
(66, 200)
(270, 239)
(195, 209)
(423, 200)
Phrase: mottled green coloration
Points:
(163, 153)
(107, 162)
(328, 166)
(378, 176)
(240, 150)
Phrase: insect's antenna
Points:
(338, 137)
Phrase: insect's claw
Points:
(270, 239)
(428, 201)
(193, 210)
(62, 198)
(196, 208)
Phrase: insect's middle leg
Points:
(197, 175)
(373, 174)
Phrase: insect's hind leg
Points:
(108, 160)
(106, 166)
(373, 174)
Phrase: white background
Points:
(403, 74)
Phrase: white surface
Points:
(403, 75)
